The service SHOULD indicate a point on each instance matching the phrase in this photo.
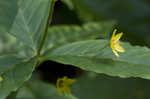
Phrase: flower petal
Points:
(119, 48)
(67, 90)
(1, 79)
(70, 81)
(116, 53)
(60, 91)
(114, 32)
(60, 85)
(117, 37)
(63, 84)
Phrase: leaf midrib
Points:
(82, 56)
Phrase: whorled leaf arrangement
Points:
(132, 15)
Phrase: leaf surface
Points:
(97, 56)
(61, 35)
(95, 86)
(15, 76)
(132, 16)
(30, 22)
(36, 89)
(8, 61)
(8, 11)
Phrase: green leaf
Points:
(8, 11)
(120, 10)
(15, 76)
(69, 34)
(97, 56)
(132, 16)
(36, 89)
(30, 22)
(94, 86)
(8, 62)
(7, 42)
(10, 45)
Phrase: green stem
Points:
(49, 20)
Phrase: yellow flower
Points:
(1, 79)
(115, 44)
(63, 84)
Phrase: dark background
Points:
(50, 70)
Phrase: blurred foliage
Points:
(36, 89)
(95, 86)
(80, 37)
(73, 33)
(8, 11)
(133, 16)
(7, 42)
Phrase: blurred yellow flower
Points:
(115, 44)
(1, 79)
(63, 84)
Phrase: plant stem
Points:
(49, 20)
